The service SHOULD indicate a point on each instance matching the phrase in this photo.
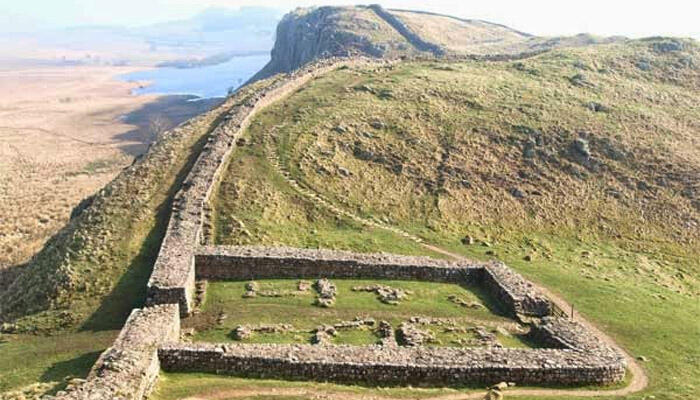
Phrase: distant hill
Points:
(213, 35)
(306, 34)
(217, 30)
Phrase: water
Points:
(205, 82)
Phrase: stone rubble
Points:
(323, 335)
(251, 290)
(386, 294)
(355, 324)
(246, 331)
(410, 335)
(326, 293)
(464, 303)
(386, 332)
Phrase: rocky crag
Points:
(308, 34)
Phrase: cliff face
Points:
(308, 34)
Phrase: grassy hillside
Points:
(463, 36)
(594, 142)
(67, 304)
(578, 167)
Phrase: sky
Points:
(638, 18)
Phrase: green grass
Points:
(428, 300)
(615, 235)
(26, 359)
(276, 214)
(182, 385)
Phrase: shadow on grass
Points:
(164, 113)
(79, 366)
(491, 304)
(130, 291)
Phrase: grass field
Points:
(181, 386)
(298, 309)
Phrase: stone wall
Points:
(574, 355)
(563, 333)
(173, 274)
(129, 369)
(400, 365)
(253, 262)
(517, 294)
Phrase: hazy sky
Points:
(542, 17)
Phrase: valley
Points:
(65, 134)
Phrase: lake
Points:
(205, 82)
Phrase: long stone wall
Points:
(173, 274)
(593, 364)
(253, 262)
(129, 369)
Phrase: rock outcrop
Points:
(308, 34)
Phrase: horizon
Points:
(538, 17)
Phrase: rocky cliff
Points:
(307, 34)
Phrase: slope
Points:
(579, 167)
(68, 302)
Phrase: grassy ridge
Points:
(577, 167)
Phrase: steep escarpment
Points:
(308, 34)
